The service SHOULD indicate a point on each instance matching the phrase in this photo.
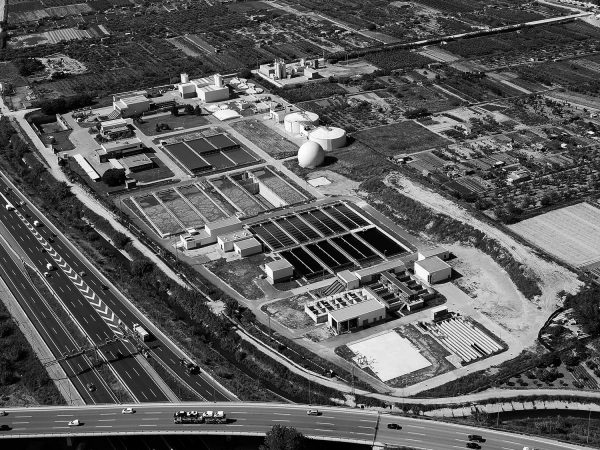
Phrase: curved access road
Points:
(255, 419)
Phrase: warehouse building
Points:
(136, 163)
(131, 106)
(119, 149)
(433, 270)
(226, 241)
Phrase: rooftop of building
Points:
(432, 251)
(235, 236)
(432, 264)
(279, 264)
(113, 123)
(120, 143)
(358, 309)
(388, 265)
(248, 243)
(136, 160)
(133, 100)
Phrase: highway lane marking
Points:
(280, 420)
(108, 414)
(103, 426)
(148, 425)
(153, 412)
(137, 373)
(281, 414)
(20, 422)
(325, 423)
(106, 420)
(21, 417)
(64, 415)
(420, 434)
(362, 426)
(19, 429)
(150, 389)
(150, 418)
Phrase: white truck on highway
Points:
(49, 266)
(141, 332)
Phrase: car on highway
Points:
(9, 207)
(3, 413)
(394, 426)
(179, 414)
(474, 445)
(476, 437)
(91, 387)
(37, 223)
(46, 274)
(5, 427)
(127, 411)
(313, 412)
(22, 203)
(104, 287)
(74, 423)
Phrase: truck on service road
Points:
(190, 367)
(49, 266)
(194, 417)
(141, 332)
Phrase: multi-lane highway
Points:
(78, 368)
(340, 424)
(101, 312)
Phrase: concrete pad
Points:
(389, 355)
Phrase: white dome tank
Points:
(296, 121)
(310, 155)
(329, 138)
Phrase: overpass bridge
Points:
(359, 426)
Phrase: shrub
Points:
(114, 177)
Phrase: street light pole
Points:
(588, 427)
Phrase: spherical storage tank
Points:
(296, 121)
(329, 138)
(310, 155)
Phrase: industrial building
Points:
(119, 148)
(211, 233)
(345, 311)
(279, 70)
(111, 129)
(136, 163)
(247, 247)
(208, 89)
(310, 155)
(438, 251)
(129, 106)
(279, 270)
(433, 270)
(297, 122)
(329, 138)
(226, 241)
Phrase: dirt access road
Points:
(553, 278)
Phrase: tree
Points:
(197, 110)
(283, 438)
(189, 109)
(174, 111)
(114, 177)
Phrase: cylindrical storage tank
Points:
(329, 138)
(310, 155)
(294, 122)
(218, 80)
(185, 78)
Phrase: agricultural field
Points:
(398, 59)
(570, 234)
(265, 138)
(400, 138)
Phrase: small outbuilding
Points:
(248, 247)
(279, 270)
(433, 270)
(438, 251)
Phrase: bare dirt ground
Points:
(552, 278)
(340, 185)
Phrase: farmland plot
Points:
(571, 234)
(265, 138)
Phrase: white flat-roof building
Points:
(209, 94)
(278, 270)
(226, 241)
(348, 279)
(433, 270)
(208, 89)
(109, 128)
(347, 310)
(132, 105)
(438, 251)
(119, 148)
(367, 274)
(248, 247)
(223, 226)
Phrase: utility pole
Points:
(353, 392)
(588, 427)
(309, 400)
